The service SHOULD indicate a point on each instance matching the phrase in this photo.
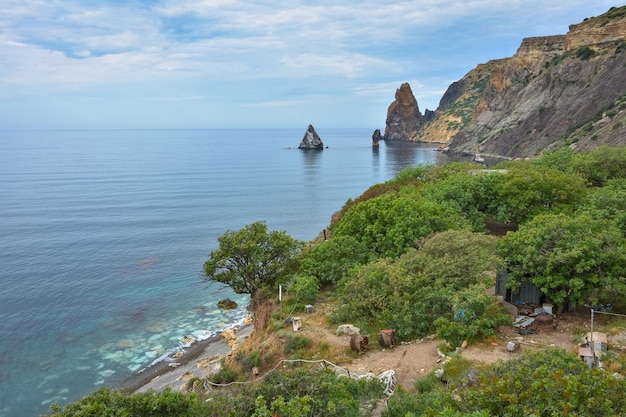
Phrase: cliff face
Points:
(555, 91)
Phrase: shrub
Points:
(585, 53)
(303, 288)
(248, 361)
(296, 342)
(331, 259)
(427, 384)
(225, 375)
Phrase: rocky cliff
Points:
(563, 90)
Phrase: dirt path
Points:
(414, 360)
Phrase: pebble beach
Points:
(200, 359)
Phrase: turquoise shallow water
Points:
(103, 235)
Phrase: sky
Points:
(172, 64)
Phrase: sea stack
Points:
(311, 140)
(376, 138)
(404, 119)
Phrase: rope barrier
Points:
(387, 378)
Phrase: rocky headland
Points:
(560, 90)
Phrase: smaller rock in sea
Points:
(376, 138)
(227, 304)
(155, 328)
(188, 340)
(125, 344)
(134, 368)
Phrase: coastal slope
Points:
(560, 90)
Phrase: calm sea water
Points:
(103, 235)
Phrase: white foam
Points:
(106, 373)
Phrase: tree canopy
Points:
(525, 192)
(331, 259)
(569, 258)
(446, 274)
(391, 223)
(251, 258)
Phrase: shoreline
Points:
(200, 359)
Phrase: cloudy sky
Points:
(255, 63)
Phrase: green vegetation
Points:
(546, 383)
(616, 12)
(251, 259)
(300, 392)
(108, 402)
(585, 53)
(331, 259)
(389, 224)
(574, 259)
(444, 279)
(415, 255)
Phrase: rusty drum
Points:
(359, 343)
(545, 323)
(386, 338)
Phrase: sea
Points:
(103, 235)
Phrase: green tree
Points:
(303, 288)
(390, 224)
(601, 164)
(331, 259)
(550, 382)
(561, 159)
(251, 259)
(608, 202)
(468, 194)
(408, 294)
(475, 315)
(525, 192)
(570, 259)
(456, 259)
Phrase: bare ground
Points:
(409, 361)
(416, 359)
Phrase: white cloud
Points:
(348, 65)
(363, 48)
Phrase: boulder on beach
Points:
(186, 377)
(230, 337)
(206, 362)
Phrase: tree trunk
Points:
(261, 309)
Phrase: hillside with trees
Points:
(416, 254)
